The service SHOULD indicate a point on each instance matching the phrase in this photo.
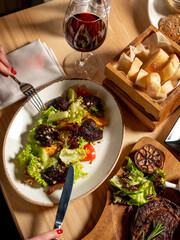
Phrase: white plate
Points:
(157, 9)
(107, 152)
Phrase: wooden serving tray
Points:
(114, 222)
(155, 112)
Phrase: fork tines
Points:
(30, 92)
(34, 98)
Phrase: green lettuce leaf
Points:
(115, 181)
(133, 187)
(72, 155)
(25, 155)
(45, 114)
(34, 170)
(78, 171)
(34, 167)
(77, 111)
(145, 190)
(136, 177)
(82, 142)
(158, 177)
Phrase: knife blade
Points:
(65, 197)
(173, 138)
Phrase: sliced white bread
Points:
(170, 68)
(153, 84)
(134, 69)
(141, 79)
(156, 61)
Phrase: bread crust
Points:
(170, 26)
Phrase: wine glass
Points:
(85, 27)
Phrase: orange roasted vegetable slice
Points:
(99, 121)
(52, 150)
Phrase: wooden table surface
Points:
(127, 20)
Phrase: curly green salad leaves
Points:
(134, 187)
(34, 159)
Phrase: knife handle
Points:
(57, 226)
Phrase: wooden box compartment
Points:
(150, 112)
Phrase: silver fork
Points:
(30, 92)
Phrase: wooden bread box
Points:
(150, 112)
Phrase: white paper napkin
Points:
(34, 63)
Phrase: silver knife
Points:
(173, 138)
(65, 197)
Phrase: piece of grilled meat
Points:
(89, 131)
(93, 101)
(61, 103)
(46, 135)
(159, 210)
(53, 175)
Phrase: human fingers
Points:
(48, 235)
(5, 67)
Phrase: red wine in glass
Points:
(84, 32)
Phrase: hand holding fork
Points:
(27, 89)
(30, 92)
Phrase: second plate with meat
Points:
(107, 151)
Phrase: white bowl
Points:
(107, 152)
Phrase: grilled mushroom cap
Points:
(149, 159)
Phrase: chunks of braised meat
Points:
(159, 210)
(53, 175)
(61, 103)
(46, 135)
(71, 131)
(93, 101)
(89, 131)
(74, 142)
(69, 128)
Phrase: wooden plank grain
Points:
(45, 22)
(115, 222)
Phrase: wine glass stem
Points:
(82, 59)
(82, 62)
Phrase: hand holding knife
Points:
(63, 204)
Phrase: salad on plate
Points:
(134, 187)
(63, 135)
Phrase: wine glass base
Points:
(81, 66)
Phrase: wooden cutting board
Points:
(114, 222)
